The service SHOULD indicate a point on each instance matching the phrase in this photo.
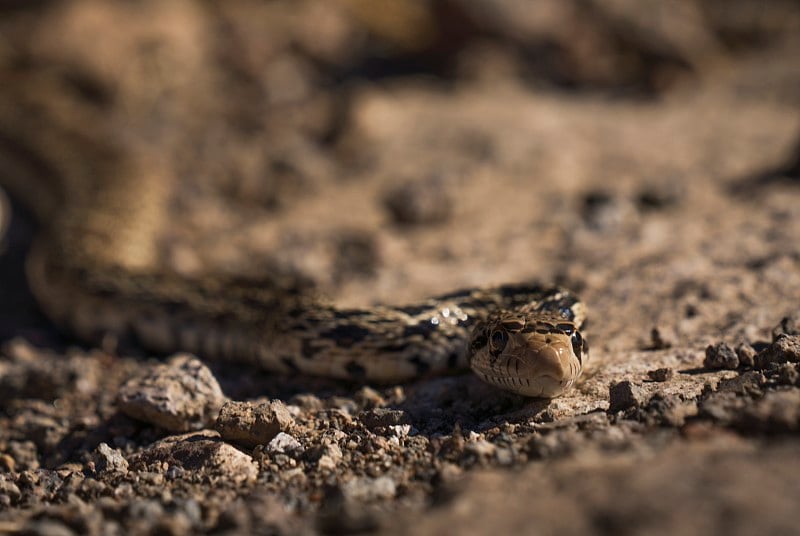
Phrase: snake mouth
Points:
(541, 370)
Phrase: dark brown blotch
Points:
(513, 325)
(566, 328)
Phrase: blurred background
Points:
(416, 144)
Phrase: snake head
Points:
(532, 354)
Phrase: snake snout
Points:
(542, 367)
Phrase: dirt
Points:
(384, 152)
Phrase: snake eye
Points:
(577, 345)
(499, 340)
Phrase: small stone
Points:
(325, 456)
(307, 402)
(7, 463)
(174, 472)
(202, 454)
(398, 431)
(108, 460)
(504, 457)
(671, 410)
(345, 405)
(777, 412)
(330, 456)
(722, 407)
(335, 418)
(661, 374)
(364, 489)
(789, 325)
(380, 419)
(720, 356)
(24, 454)
(283, 443)
(480, 448)
(624, 395)
(10, 489)
(787, 374)
(179, 396)
(449, 472)
(326, 463)
(369, 398)
(750, 384)
(659, 340)
(785, 348)
(746, 355)
(252, 424)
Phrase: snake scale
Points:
(88, 269)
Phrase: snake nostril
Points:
(478, 342)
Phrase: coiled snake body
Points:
(88, 271)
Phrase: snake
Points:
(90, 270)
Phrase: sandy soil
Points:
(648, 160)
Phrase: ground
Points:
(646, 159)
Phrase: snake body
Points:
(90, 271)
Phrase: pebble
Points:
(449, 472)
(179, 396)
(381, 419)
(369, 398)
(307, 402)
(720, 356)
(671, 410)
(777, 412)
(504, 457)
(252, 424)
(787, 374)
(329, 456)
(9, 489)
(108, 460)
(480, 448)
(789, 325)
(746, 355)
(661, 374)
(659, 339)
(623, 395)
(202, 454)
(283, 443)
(750, 384)
(7, 463)
(785, 348)
(363, 489)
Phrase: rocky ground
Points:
(646, 158)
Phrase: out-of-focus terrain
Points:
(645, 154)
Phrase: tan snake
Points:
(88, 270)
